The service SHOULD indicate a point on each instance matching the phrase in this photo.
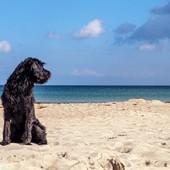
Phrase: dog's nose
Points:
(49, 73)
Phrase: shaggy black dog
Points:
(20, 122)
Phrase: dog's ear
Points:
(28, 64)
(31, 64)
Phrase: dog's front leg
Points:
(6, 129)
(27, 136)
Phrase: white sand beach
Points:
(91, 136)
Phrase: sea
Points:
(84, 94)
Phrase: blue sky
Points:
(88, 42)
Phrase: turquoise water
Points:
(98, 93)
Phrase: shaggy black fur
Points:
(20, 122)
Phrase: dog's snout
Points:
(48, 73)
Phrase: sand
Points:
(94, 136)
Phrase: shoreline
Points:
(43, 102)
(39, 102)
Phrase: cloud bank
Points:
(5, 46)
(125, 29)
(155, 29)
(162, 10)
(92, 30)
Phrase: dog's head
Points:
(36, 70)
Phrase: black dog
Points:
(20, 123)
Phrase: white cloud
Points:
(147, 47)
(84, 72)
(5, 46)
(91, 30)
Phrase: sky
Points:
(88, 42)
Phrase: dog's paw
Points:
(3, 143)
(42, 143)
